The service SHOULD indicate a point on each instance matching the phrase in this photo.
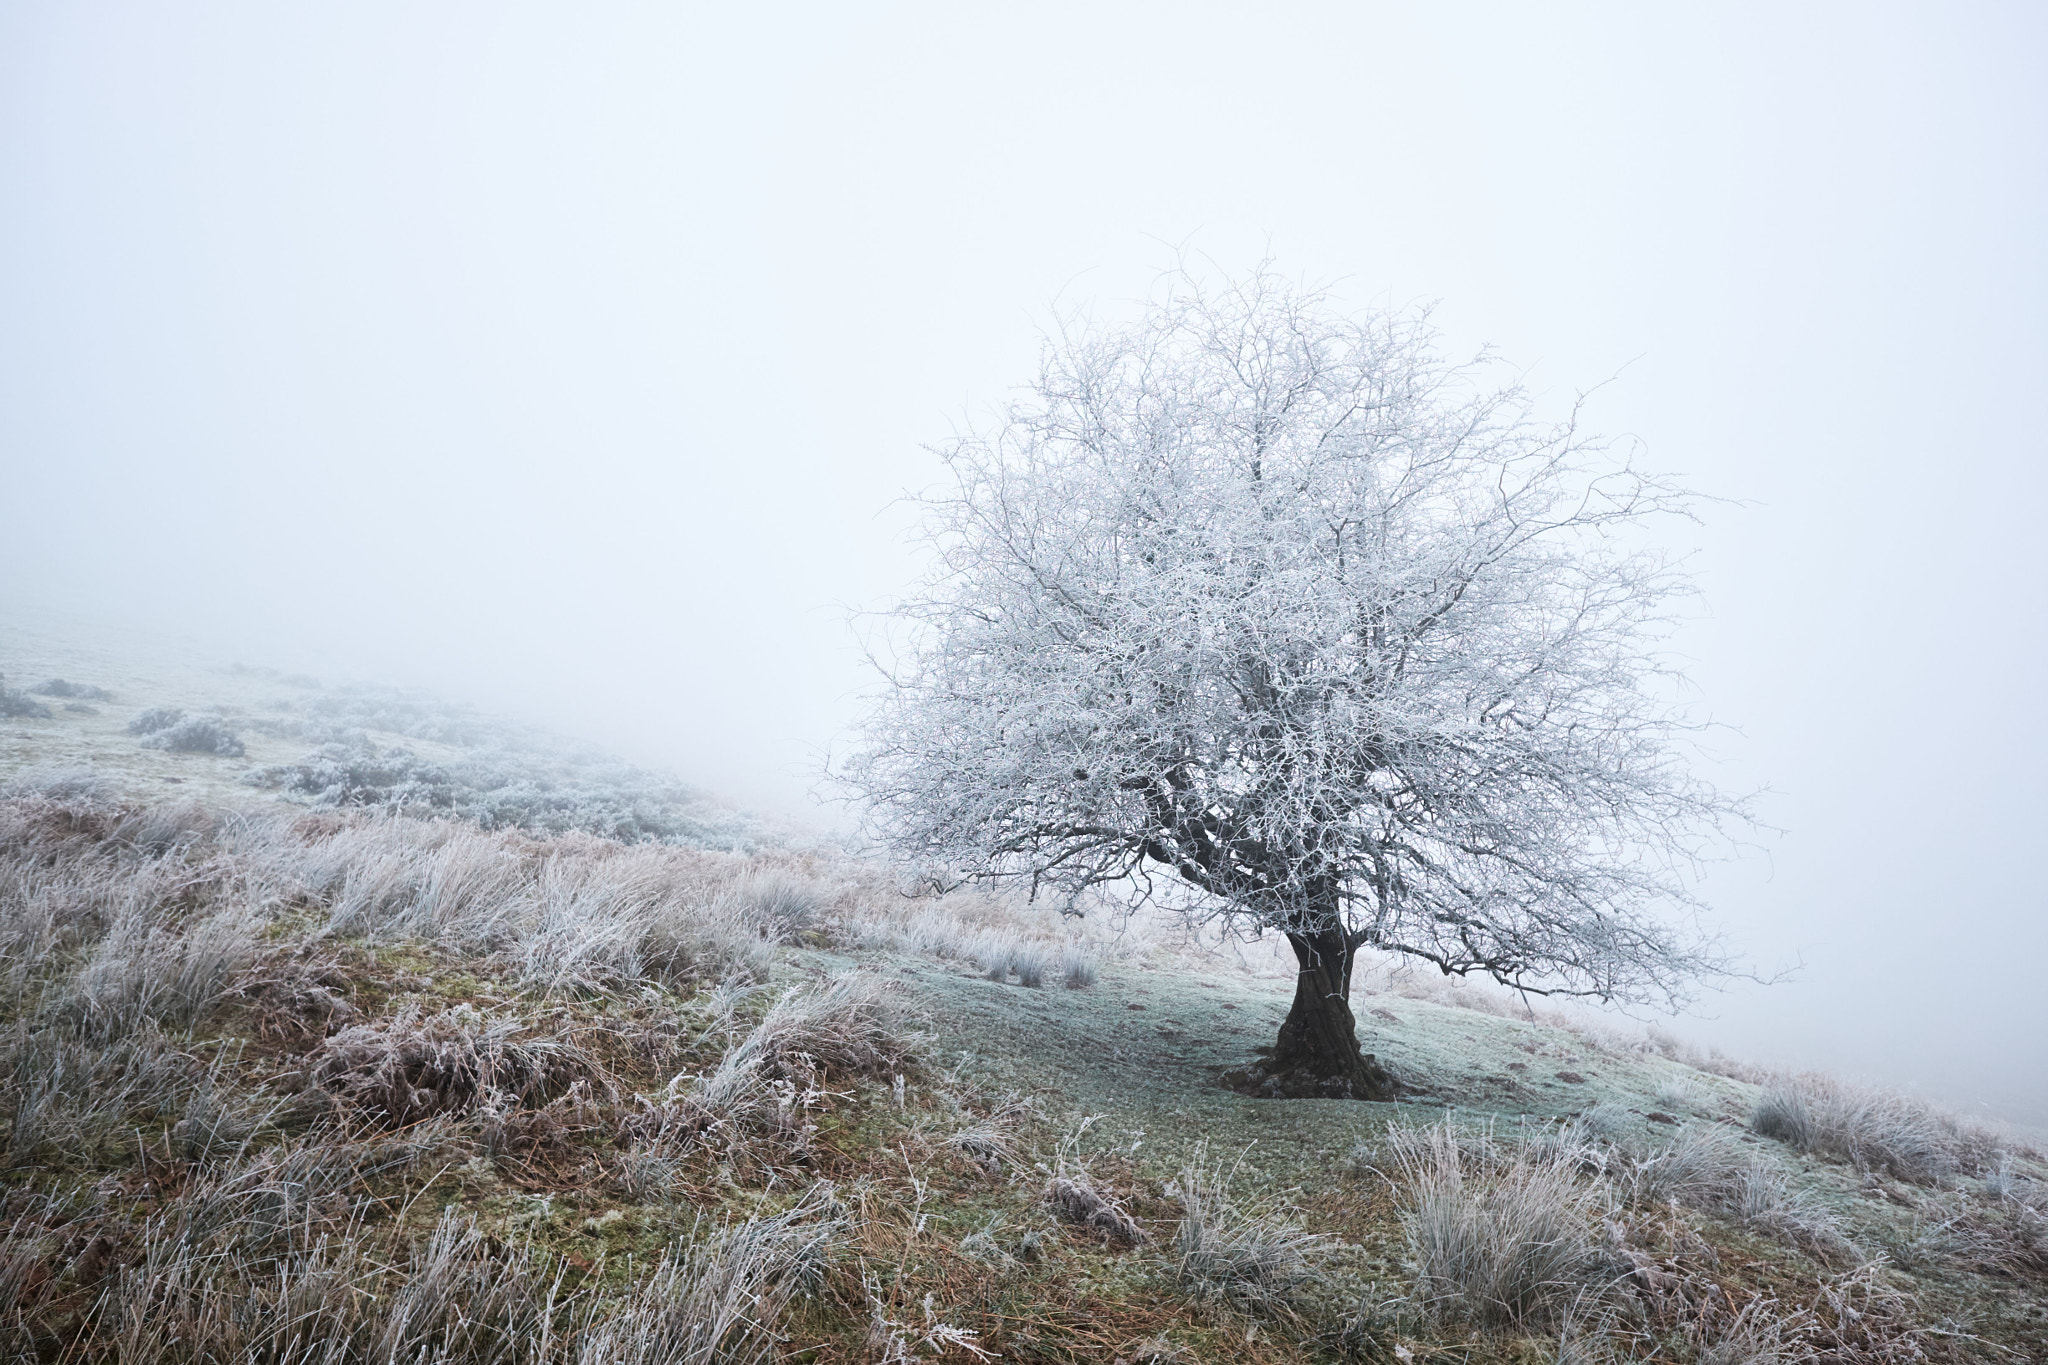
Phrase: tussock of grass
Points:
(975, 928)
(986, 1145)
(1700, 1165)
(1763, 1198)
(780, 903)
(851, 1026)
(1763, 1332)
(1075, 1196)
(460, 1299)
(1250, 1253)
(718, 1299)
(66, 1092)
(1874, 1130)
(414, 1066)
(749, 1109)
(72, 783)
(1511, 1239)
(145, 971)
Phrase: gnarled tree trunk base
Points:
(1317, 1056)
(1268, 1081)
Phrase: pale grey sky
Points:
(568, 358)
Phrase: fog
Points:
(572, 360)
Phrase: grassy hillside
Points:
(316, 1074)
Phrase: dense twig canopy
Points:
(1277, 603)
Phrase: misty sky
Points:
(569, 360)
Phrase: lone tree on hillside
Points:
(1280, 616)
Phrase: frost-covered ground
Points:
(291, 1076)
(318, 743)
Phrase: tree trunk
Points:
(1318, 1053)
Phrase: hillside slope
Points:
(298, 1080)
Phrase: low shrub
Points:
(71, 691)
(20, 706)
(509, 789)
(196, 735)
(155, 718)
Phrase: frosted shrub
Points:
(507, 788)
(196, 735)
(18, 706)
(71, 691)
(156, 718)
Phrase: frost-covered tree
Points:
(1272, 613)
